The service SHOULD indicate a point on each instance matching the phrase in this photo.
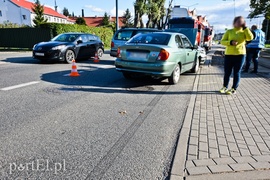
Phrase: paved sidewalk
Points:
(229, 136)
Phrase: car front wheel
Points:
(174, 78)
(69, 56)
(196, 66)
(100, 53)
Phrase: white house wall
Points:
(13, 14)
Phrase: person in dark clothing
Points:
(254, 48)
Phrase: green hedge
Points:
(105, 33)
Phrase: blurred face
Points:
(239, 23)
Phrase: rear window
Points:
(153, 38)
(124, 35)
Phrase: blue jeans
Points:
(252, 55)
(235, 63)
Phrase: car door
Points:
(190, 53)
(83, 47)
(93, 45)
(181, 52)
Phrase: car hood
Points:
(48, 45)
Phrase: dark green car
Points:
(159, 54)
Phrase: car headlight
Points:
(59, 47)
(34, 46)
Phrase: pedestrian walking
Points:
(254, 48)
(235, 41)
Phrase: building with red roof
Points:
(20, 12)
(97, 21)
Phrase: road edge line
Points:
(178, 166)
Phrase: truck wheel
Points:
(174, 78)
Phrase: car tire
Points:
(69, 56)
(175, 77)
(196, 66)
(127, 75)
(100, 53)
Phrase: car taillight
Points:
(112, 44)
(118, 53)
(163, 55)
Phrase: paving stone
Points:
(226, 160)
(244, 159)
(204, 162)
(260, 165)
(262, 158)
(198, 170)
(220, 168)
(241, 167)
(189, 163)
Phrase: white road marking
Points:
(19, 86)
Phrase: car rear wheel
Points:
(100, 52)
(196, 66)
(174, 78)
(69, 56)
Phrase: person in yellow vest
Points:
(235, 53)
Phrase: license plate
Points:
(138, 55)
(39, 54)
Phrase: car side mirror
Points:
(195, 47)
(79, 42)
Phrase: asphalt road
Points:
(96, 126)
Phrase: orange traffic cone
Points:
(74, 71)
(96, 59)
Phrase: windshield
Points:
(66, 37)
(155, 38)
(123, 35)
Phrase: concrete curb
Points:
(178, 166)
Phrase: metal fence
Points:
(23, 37)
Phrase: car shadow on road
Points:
(22, 60)
(107, 80)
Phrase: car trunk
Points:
(140, 52)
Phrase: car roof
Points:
(79, 33)
(141, 29)
(169, 33)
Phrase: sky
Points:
(219, 13)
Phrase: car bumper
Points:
(160, 69)
(49, 55)
(113, 53)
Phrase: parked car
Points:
(69, 46)
(123, 35)
(158, 54)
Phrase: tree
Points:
(66, 12)
(127, 19)
(80, 21)
(168, 14)
(259, 7)
(38, 9)
(156, 12)
(140, 10)
(105, 20)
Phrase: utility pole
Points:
(267, 29)
(117, 23)
(55, 6)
